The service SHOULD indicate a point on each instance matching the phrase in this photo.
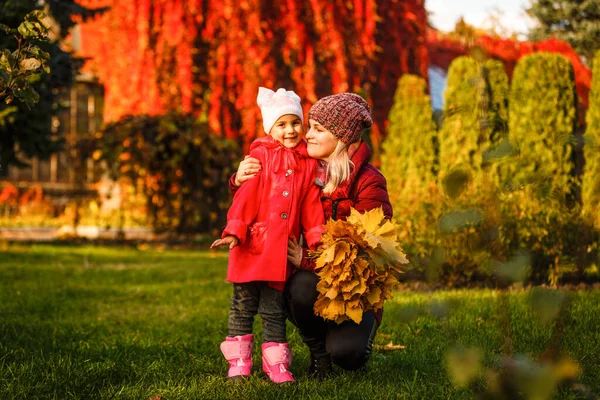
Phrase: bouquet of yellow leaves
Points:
(357, 268)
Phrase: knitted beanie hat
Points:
(346, 115)
(273, 105)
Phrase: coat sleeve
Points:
(371, 192)
(312, 217)
(232, 186)
(246, 200)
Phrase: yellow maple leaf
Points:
(389, 346)
(374, 295)
(342, 250)
(340, 229)
(347, 273)
(354, 301)
(391, 281)
(333, 310)
(348, 286)
(326, 256)
(368, 220)
(354, 313)
(321, 303)
(361, 265)
(326, 275)
(332, 293)
(361, 287)
(388, 229)
(377, 306)
(323, 285)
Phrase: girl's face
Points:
(288, 130)
(321, 142)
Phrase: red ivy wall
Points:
(210, 57)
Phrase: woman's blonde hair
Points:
(339, 168)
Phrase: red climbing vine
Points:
(208, 58)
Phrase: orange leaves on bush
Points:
(9, 194)
(208, 58)
(357, 268)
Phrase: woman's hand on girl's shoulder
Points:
(247, 170)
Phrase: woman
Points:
(336, 124)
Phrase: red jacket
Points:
(280, 202)
(365, 190)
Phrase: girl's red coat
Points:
(282, 201)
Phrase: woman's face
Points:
(321, 142)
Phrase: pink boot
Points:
(276, 358)
(238, 351)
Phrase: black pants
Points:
(253, 298)
(349, 344)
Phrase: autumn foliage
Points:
(591, 182)
(209, 58)
(176, 163)
(442, 50)
(357, 268)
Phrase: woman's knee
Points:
(301, 288)
(348, 355)
(350, 344)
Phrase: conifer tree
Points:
(459, 132)
(591, 173)
(542, 120)
(409, 158)
(476, 115)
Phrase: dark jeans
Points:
(254, 298)
(349, 344)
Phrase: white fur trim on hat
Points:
(273, 105)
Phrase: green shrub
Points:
(475, 115)
(470, 137)
(177, 163)
(494, 118)
(539, 212)
(409, 155)
(543, 117)
(409, 164)
(498, 209)
(459, 132)
(591, 174)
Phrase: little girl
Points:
(282, 201)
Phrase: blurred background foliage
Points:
(511, 174)
(177, 165)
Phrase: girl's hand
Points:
(248, 169)
(294, 252)
(230, 240)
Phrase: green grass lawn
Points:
(94, 322)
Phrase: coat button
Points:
(288, 172)
(284, 215)
(286, 193)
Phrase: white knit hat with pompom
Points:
(273, 105)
